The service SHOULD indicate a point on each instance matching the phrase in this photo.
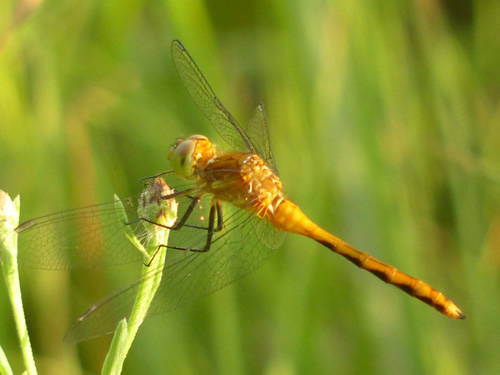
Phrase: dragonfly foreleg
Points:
(170, 196)
(156, 175)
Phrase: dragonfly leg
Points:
(180, 223)
(181, 193)
(156, 175)
(184, 217)
(220, 219)
(215, 209)
(194, 201)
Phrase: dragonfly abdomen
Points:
(290, 218)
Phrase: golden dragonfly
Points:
(232, 215)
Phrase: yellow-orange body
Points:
(246, 181)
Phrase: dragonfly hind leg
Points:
(179, 224)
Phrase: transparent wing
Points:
(86, 237)
(188, 276)
(254, 138)
(94, 236)
(258, 132)
(205, 98)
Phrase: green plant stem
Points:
(9, 220)
(127, 330)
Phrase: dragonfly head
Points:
(189, 155)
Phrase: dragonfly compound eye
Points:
(182, 159)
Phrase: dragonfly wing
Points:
(80, 238)
(267, 234)
(187, 276)
(103, 317)
(88, 237)
(258, 132)
(209, 104)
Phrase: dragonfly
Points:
(233, 215)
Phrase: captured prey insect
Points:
(232, 214)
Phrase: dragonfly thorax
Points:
(245, 180)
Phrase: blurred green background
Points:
(384, 118)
